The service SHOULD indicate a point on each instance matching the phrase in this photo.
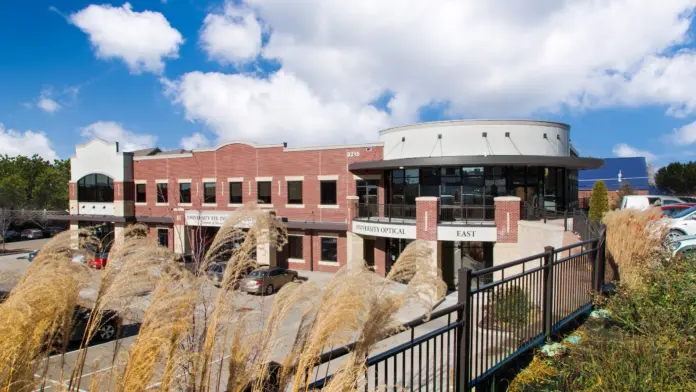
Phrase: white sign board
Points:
(388, 230)
(467, 233)
(211, 218)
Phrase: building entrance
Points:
(456, 255)
(394, 249)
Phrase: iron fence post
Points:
(548, 292)
(389, 212)
(565, 220)
(463, 355)
(599, 261)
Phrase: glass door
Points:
(368, 196)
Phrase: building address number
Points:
(350, 154)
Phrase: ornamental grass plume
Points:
(634, 241)
(37, 315)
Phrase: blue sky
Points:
(192, 73)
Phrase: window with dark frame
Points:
(328, 192)
(295, 247)
(264, 192)
(185, 192)
(329, 249)
(140, 193)
(235, 193)
(209, 192)
(162, 193)
(163, 237)
(294, 192)
(95, 188)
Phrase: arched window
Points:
(95, 188)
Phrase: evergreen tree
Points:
(599, 201)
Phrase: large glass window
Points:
(264, 192)
(236, 193)
(209, 192)
(472, 185)
(295, 247)
(185, 192)
(162, 193)
(294, 192)
(405, 186)
(95, 188)
(328, 192)
(367, 191)
(140, 193)
(329, 249)
(163, 237)
(451, 189)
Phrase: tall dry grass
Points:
(634, 239)
(184, 332)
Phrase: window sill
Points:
(296, 261)
(294, 206)
(329, 263)
(185, 204)
(209, 204)
(141, 204)
(162, 204)
(265, 205)
(328, 206)
(235, 205)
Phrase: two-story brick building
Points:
(457, 184)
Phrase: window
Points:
(294, 192)
(162, 196)
(185, 192)
(235, 193)
(328, 192)
(163, 237)
(140, 195)
(295, 247)
(329, 249)
(95, 188)
(264, 192)
(209, 192)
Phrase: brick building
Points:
(458, 185)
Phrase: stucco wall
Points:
(98, 156)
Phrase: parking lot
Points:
(100, 355)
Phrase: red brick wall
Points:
(73, 190)
(426, 229)
(241, 160)
(312, 244)
(380, 256)
(504, 206)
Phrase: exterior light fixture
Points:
(484, 134)
(507, 134)
(439, 136)
(403, 138)
(285, 144)
(546, 136)
(401, 168)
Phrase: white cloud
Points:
(232, 37)
(26, 143)
(623, 150)
(197, 140)
(683, 135)
(48, 105)
(280, 108)
(141, 39)
(115, 132)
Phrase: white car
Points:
(684, 245)
(681, 224)
(643, 202)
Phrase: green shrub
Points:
(599, 201)
(510, 307)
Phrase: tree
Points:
(13, 191)
(599, 201)
(6, 219)
(677, 178)
(34, 183)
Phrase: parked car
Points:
(11, 235)
(672, 209)
(99, 261)
(268, 280)
(683, 245)
(52, 230)
(643, 202)
(216, 271)
(688, 199)
(681, 224)
(32, 234)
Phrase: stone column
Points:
(180, 235)
(354, 242)
(426, 225)
(266, 254)
(74, 235)
(381, 256)
(507, 217)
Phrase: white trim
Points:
(294, 178)
(427, 198)
(140, 182)
(140, 204)
(328, 177)
(164, 156)
(505, 198)
(367, 177)
(265, 205)
(331, 263)
(161, 204)
(294, 206)
(264, 179)
(328, 206)
(250, 144)
(209, 204)
(185, 204)
(328, 235)
(235, 179)
(209, 180)
(234, 205)
(335, 147)
(161, 181)
(296, 261)
(183, 180)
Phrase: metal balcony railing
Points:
(385, 212)
(465, 214)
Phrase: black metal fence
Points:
(502, 313)
(385, 212)
(583, 226)
(466, 214)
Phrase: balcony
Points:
(386, 213)
(452, 214)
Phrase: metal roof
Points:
(615, 173)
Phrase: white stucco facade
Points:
(102, 157)
(466, 138)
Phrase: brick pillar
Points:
(124, 198)
(507, 214)
(426, 225)
(381, 256)
(180, 234)
(354, 242)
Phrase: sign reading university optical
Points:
(467, 233)
(211, 218)
(388, 230)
